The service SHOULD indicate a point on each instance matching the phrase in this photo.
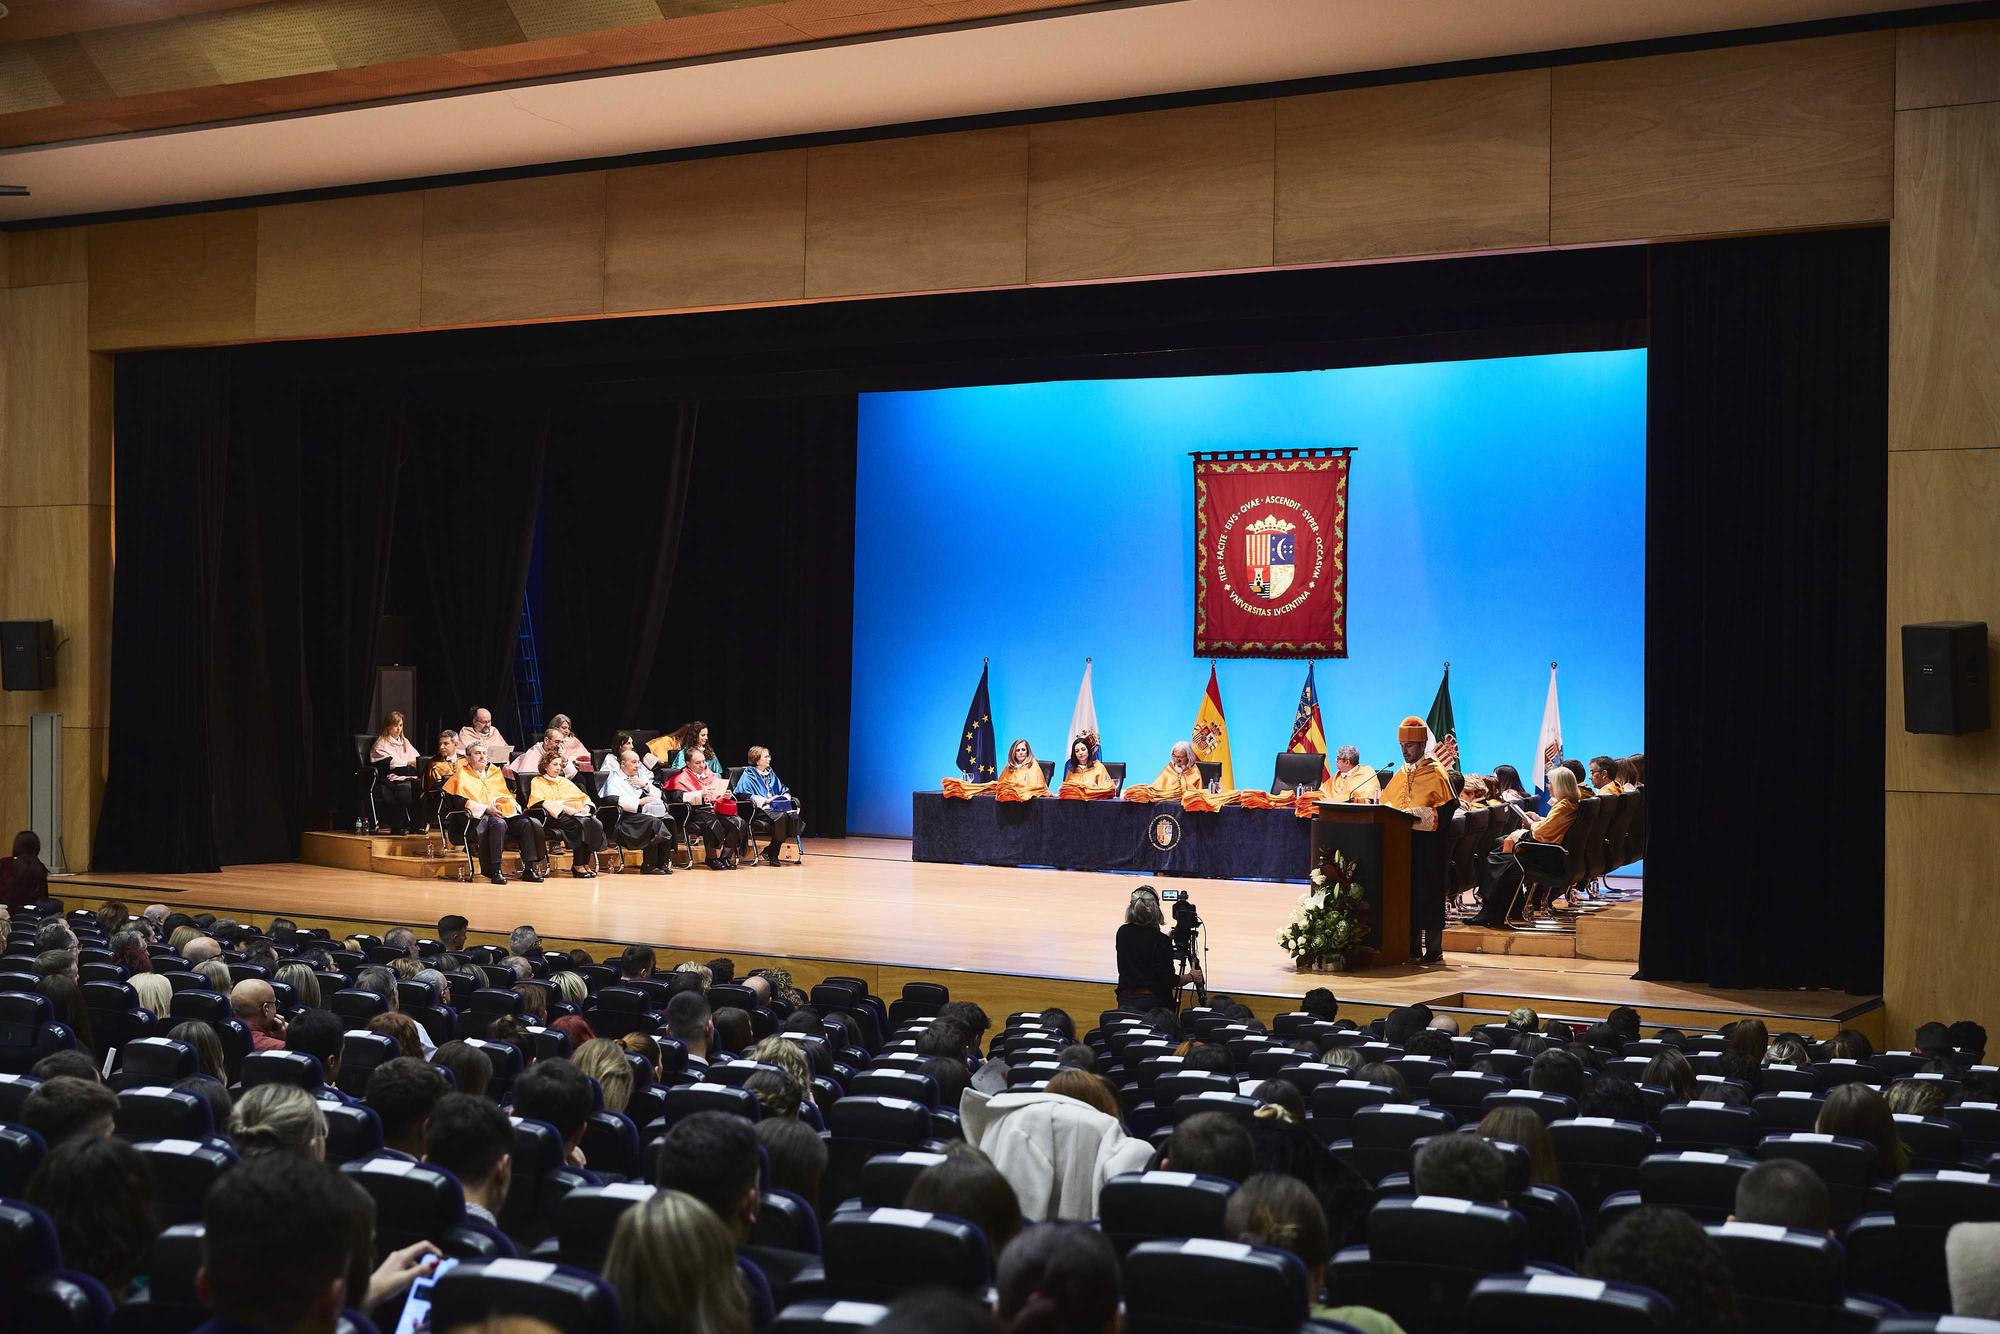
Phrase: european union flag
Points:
(975, 739)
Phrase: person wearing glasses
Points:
(256, 1005)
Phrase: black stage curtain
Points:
(617, 484)
(759, 631)
(1767, 409)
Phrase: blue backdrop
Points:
(1496, 520)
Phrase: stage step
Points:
(1610, 932)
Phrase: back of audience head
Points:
(1428, 1042)
(1213, 1144)
(1059, 1278)
(1557, 1071)
(689, 1019)
(1347, 1058)
(1520, 1125)
(558, 1093)
(1614, 1098)
(68, 1061)
(951, 1076)
(1403, 1021)
(1380, 1072)
(1787, 1050)
(604, 1061)
(1670, 1070)
(1271, 1209)
(400, 1028)
(777, 1092)
(732, 1029)
(66, 1108)
(278, 1237)
(1665, 1250)
(673, 1263)
(1850, 1045)
(968, 1016)
(713, 1157)
(1968, 1037)
(935, 1311)
(1624, 1020)
(1284, 1095)
(1208, 1057)
(98, 1192)
(66, 999)
(1916, 1097)
(470, 1137)
(1094, 1091)
(402, 1093)
(966, 1185)
(1859, 1112)
(278, 1118)
(471, 1069)
(798, 1155)
(1460, 1167)
(1784, 1193)
(944, 1037)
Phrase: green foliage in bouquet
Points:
(1329, 927)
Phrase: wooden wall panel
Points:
(14, 792)
(1414, 168)
(57, 255)
(340, 265)
(1937, 949)
(514, 250)
(1947, 64)
(60, 570)
(167, 282)
(710, 232)
(46, 441)
(1944, 565)
(930, 213)
(1944, 321)
(1182, 191)
(1750, 138)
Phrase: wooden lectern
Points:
(1377, 840)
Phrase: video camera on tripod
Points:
(1190, 945)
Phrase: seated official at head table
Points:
(1351, 780)
(1021, 778)
(643, 818)
(1084, 776)
(482, 730)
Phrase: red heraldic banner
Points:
(1270, 554)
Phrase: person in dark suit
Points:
(1146, 955)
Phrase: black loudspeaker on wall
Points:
(28, 655)
(1944, 678)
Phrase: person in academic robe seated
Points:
(711, 809)
(671, 750)
(1604, 776)
(1539, 845)
(570, 811)
(573, 749)
(496, 816)
(643, 821)
(529, 761)
(1507, 785)
(1351, 780)
(1476, 793)
(1421, 787)
(1084, 777)
(1021, 778)
(774, 809)
(445, 764)
(396, 759)
(482, 730)
(1575, 768)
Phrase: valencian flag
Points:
(1210, 738)
(1442, 726)
(1308, 733)
(975, 740)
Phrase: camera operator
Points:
(1146, 956)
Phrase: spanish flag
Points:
(1211, 731)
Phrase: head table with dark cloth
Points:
(1155, 839)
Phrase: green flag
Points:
(1443, 727)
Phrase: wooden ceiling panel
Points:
(31, 19)
(376, 32)
(23, 84)
(271, 43)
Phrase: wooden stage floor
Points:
(1003, 936)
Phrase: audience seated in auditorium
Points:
(1279, 1211)
(1059, 1278)
(670, 1262)
(98, 1192)
(256, 1006)
(712, 1156)
(560, 1094)
(1460, 1167)
(1859, 1112)
(278, 1118)
(1665, 1250)
(67, 1107)
(402, 1092)
(470, 1137)
(1783, 1193)
(1515, 1124)
(967, 1185)
(798, 1156)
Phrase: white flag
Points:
(1549, 749)
(1082, 720)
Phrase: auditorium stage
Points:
(1009, 938)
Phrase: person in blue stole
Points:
(774, 808)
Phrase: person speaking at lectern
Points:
(1421, 787)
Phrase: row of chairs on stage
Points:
(1609, 832)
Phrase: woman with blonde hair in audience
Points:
(1787, 1050)
(216, 972)
(278, 1118)
(603, 1059)
(399, 1026)
(395, 761)
(1091, 1090)
(571, 987)
(675, 1270)
(534, 1002)
(1916, 1097)
(304, 983)
(777, 1092)
(1522, 1126)
(647, 1049)
(181, 935)
(207, 1047)
(789, 1057)
(155, 993)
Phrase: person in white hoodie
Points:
(1055, 1151)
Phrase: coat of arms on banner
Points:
(1268, 549)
